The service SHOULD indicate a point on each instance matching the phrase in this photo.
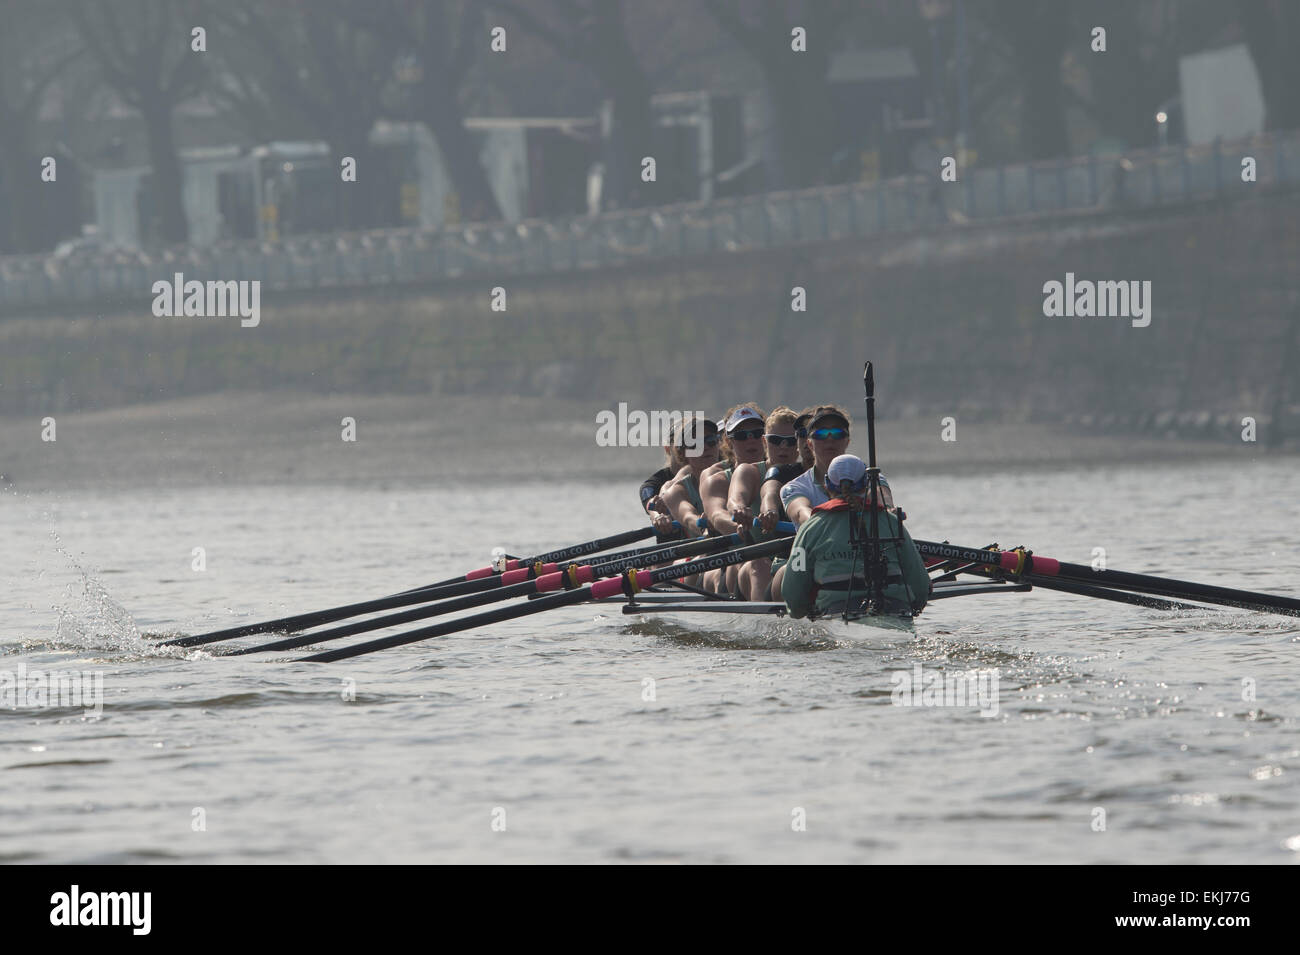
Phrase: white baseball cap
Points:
(740, 416)
(850, 468)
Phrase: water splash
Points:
(88, 617)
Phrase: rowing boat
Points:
(636, 580)
(764, 621)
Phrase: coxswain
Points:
(829, 570)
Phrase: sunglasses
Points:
(829, 434)
(747, 435)
(781, 440)
(710, 441)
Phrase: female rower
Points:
(681, 495)
(781, 443)
(801, 429)
(651, 488)
(828, 435)
(742, 443)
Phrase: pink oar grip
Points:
(549, 582)
(1047, 566)
(520, 575)
(614, 585)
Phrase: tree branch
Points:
(729, 19)
(558, 41)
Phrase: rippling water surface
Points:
(1106, 713)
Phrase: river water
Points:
(1120, 735)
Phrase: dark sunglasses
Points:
(829, 434)
(747, 435)
(710, 440)
(779, 440)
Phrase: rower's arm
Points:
(713, 495)
(650, 490)
(680, 507)
(798, 509)
(744, 487)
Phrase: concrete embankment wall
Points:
(954, 322)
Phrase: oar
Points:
(630, 584)
(420, 595)
(1018, 563)
(551, 557)
(455, 580)
(478, 585)
(1104, 593)
(577, 574)
(950, 569)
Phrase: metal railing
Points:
(1140, 180)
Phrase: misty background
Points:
(796, 146)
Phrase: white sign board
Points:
(1221, 95)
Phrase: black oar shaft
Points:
(1141, 583)
(609, 568)
(573, 552)
(567, 598)
(1102, 593)
(316, 618)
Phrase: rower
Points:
(744, 497)
(651, 499)
(742, 443)
(801, 431)
(681, 495)
(829, 568)
(828, 436)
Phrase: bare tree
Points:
(441, 39)
(143, 49)
(596, 36)
(311, 68)
(27, 69)
(794, 81)
(1037, 35)
(1272, 30)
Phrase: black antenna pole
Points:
(877, 572)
